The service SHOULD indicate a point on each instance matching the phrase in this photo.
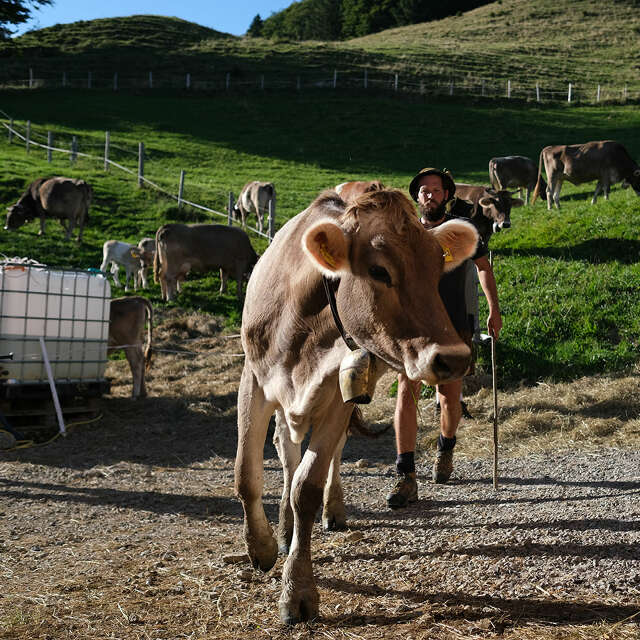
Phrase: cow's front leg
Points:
(334, 517)
(42, 223)
(114, 273)
(135, 357)
(289, 454)
(223, 281)
(253, 420)
(599, 189)
(299, 598)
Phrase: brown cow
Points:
(384, 267)
(350, 190)
(126, 331)
(606, 161)
(255, 196)
(514, 172)
(64, 198)
(181, 248)
(148, 248)
(495, 205)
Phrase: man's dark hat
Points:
(447, 181)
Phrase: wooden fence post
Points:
(598, 94)
(140, 163)
(27, 136)
(230, 209)
(74, 149)
(272, 219)
(227, 81)
(115, 81)
(30, 78)
(298, 83)
(49, 145)
(508, 88)
(180, 188)
(625, 93)
(365, 78)
(188, 81)
(107, 140)
(482, 89)
(262, 81)
(395, 82)
(10, 130)
(451, 88)
(89, 80)
(569, 94)
(150, 79)
(335, 78)
(537, 92)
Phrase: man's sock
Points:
(445, 444)
(405, 462)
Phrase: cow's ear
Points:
(135, 253)
(485, 202)
(458, 240)
(327, 247)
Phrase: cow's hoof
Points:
(265, 556)
(301, 606)
(334, 523)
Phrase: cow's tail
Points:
(358, 425)
(148, 349)
(537, 189)
(157, 259)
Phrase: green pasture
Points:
(568, 280)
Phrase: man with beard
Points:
(434, 191)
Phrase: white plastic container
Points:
(69, 309)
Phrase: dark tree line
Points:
(341, 19)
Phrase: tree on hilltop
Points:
(14, 12)
(255, 28)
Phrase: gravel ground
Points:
(129, 528)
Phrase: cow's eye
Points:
(380, 274)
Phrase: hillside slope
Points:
(552, 42)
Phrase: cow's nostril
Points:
(506, 225)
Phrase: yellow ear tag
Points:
(328, 258)
(446, 252)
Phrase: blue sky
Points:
(230, 16)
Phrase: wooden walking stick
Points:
(495, 400)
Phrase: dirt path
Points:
(121, 529)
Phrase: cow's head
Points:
(633, 182)
(17, 215)
(497, 205)
(389, 268)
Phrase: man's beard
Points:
(433, 215)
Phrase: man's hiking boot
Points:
(442, 466)
(404, 491)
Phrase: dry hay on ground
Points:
(121, 530)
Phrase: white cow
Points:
(255, 196)
(122, 254)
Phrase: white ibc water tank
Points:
(69, 309)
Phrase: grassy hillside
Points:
(568, 280)
(552, 42)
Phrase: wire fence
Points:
(28, 135)
(462, 80)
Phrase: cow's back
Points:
(60, 196)
(205, 246)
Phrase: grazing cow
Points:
(496, 207)
(606, 161)
(126, 331)
(64, 198)
(255, 196)
(351, 190)
(384, 268)
(181, 248)
(148, 248)
(127, 255)
(514, 172)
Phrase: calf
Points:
(491, 209)
(255, 196)
(182, 248)
(514, 172)
(148, 248)
(384, 268)
(64, 198)
(126, 331)
(123, 254)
